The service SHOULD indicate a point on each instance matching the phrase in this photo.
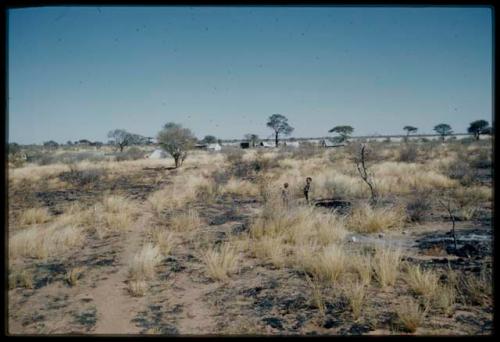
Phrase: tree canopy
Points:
(279, 123)
(176, 141)
(443, 129)
(478, 127)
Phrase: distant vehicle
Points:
(245, 145)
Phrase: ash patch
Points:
(470, 243)
(153, 320)
(87, 318)
(340, 205)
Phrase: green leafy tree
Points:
(280, 126)
(478, 127)
(176, 141)
(443, 130)
(344, 132)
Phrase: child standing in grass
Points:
(307, 188)
(285, 195)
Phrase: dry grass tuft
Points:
(221, 263)
(186, 221)
(142, 266)
(23, 278)
(386, 262)
(34, 216)
(164, 239)
(74, 275)
(410, 315)
(137, 288)
(366, 219)
(422, 282)
(355, 293)
(317, 297)
(42, 243)
(328, 264)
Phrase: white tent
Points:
(214, 147)
(292, 143)
(158, 154)
(266, 144)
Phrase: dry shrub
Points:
(367, 219)
(186, 221)
(221, 262)
(407, 153)
(418, 206)
(386, 262)
(34, 216)
(143, 263)
(410, 315)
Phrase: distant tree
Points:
(97, 144)
(279, 123)
(50, 144)
(410, 129)
(252, 138)
(209, 139)
(478, 127)
(343, 131)
(443, 130)
(69, 143)
(14, 148)
(122, 138)
(176, 141)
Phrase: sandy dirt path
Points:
(115, 306)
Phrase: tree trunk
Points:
(476, 135)
(121, 148)
(177, 159)
(276, 139)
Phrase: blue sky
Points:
(79, 72)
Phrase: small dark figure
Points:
(307, 187)
(285, 194)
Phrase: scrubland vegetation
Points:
(212, 247)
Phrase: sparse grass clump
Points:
(186, 221)
(21, 278)
(410, 315)
(422, 282)
(164, 239)
(142, 266)
(114, 214)
(221, 262)
(34, 216)
(367, 219)
(355, 293)
(74, 275)
(42, 243)
(327, 265)
(137, 288)
(386, 262)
